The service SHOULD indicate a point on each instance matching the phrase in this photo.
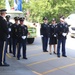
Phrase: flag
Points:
(7, 5)
(18, 5)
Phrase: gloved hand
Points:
(41, 35)
(9, 29)
(64, 34)
(8, 36)
(54, 35)
(23, 37)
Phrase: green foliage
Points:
(2, 3)
(50, 8)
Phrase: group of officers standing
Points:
(13, 35)
(56, 33)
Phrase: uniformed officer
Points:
(44, 34)
(62, 34)
(22, 36)
(3, 34)
(15, 35)
(9, 39)
(53, 35)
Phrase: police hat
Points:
(3, 10)
(21, 18)
(16, 18)
(62, 17)
(45, 18)
(53, 19)
(7, 16)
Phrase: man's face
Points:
(4, 13)
(21, 22)
(45, 21)
(16, 21)
(53, 22)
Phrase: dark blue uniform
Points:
(22, 35)
(62, 32)
(44, 33)
(14, 37)
(3, 35)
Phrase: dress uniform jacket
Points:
(44, 29)
(53, 34)
(22, 31)
(62, 28)
(14, 31)
(3, 29)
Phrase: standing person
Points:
(62, 34)
(53, 36)
(9, 39)
(44, 34)
(22, 37)
(3, 34)
(15, 35)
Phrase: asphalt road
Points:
(40, 63)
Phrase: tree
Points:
(49, 8)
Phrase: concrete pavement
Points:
(41, 63)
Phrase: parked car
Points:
(71, 21)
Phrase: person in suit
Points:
(62, 35)
(44, 34)
(15, 35)
(22, 37)
(53, 36)
(3, 35)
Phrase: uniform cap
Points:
(62, 17)
(21, 18)
(7, 16)
(16, 18)
(53, 19)
(45, 18)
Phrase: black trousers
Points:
(1, 50)
(22, 44)
(44, 43)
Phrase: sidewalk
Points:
(15, 68)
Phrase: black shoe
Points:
(18, 58)
(1, 64)
(58, 56)
(64, 55)
(5, 64)
(50, 53)
(25, 58)
(14, 56)
(46, 51)
(54, 52)
(10, 52)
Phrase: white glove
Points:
(8, 36)
(23, 37)
(64, 34)
(9, 29)
(41, 35)
(54, 35)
